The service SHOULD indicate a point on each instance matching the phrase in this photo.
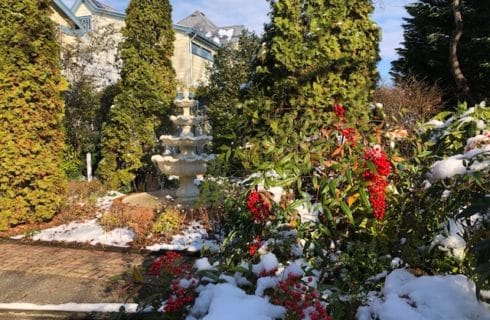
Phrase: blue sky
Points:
(253, 14)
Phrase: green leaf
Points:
(364, 197)
(347, 211)
(371, 166)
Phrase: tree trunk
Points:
(462, 84)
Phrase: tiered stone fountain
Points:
(186, 163)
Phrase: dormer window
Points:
(86, 22)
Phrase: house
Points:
(196, 41)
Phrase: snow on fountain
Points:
(186, 164)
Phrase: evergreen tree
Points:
(315, 53)
(227, 76)
(148, 89)
(427, 36)
(32, 184)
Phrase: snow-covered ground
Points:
(86, 232)
(193, 238)
(407, 297)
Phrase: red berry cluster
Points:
(255, 245)
(170, 263)
(339, 110)
(349, 134)
(181, 297)
(258, 206)
(268, 273)
(377, 182)
(299, 299)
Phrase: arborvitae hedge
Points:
(315, 53)
(148, 89)
(32, 184)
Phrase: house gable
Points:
(67, 21)
(94, 7)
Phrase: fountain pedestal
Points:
(186, 163)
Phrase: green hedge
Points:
(32, 184)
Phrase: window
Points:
(86, 22)
(202, 52)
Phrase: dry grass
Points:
(122, 215)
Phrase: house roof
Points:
(99, 8)
(78, 28)
(199, 22)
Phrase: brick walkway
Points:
(56, 261)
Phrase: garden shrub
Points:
(148, 89)
(32, 183)
(169, 221)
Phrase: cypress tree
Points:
(425, 52)
(148, 89)
(32, 184)
(315, 53)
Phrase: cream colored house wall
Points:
(59, 19)
(180, 59)
(63, 38)
(183, 59)
(199, 70)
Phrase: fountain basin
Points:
(185, 103)
(186, 141)
(187, 120)
(181, 166)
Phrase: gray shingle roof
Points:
(199, 22)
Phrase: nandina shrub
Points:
(347, 169)
(163, 283)
(301, 301)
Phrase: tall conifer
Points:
(425, 52)
(148, 89)
(32, 183)
(315, 53)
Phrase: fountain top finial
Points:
(185, 102)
